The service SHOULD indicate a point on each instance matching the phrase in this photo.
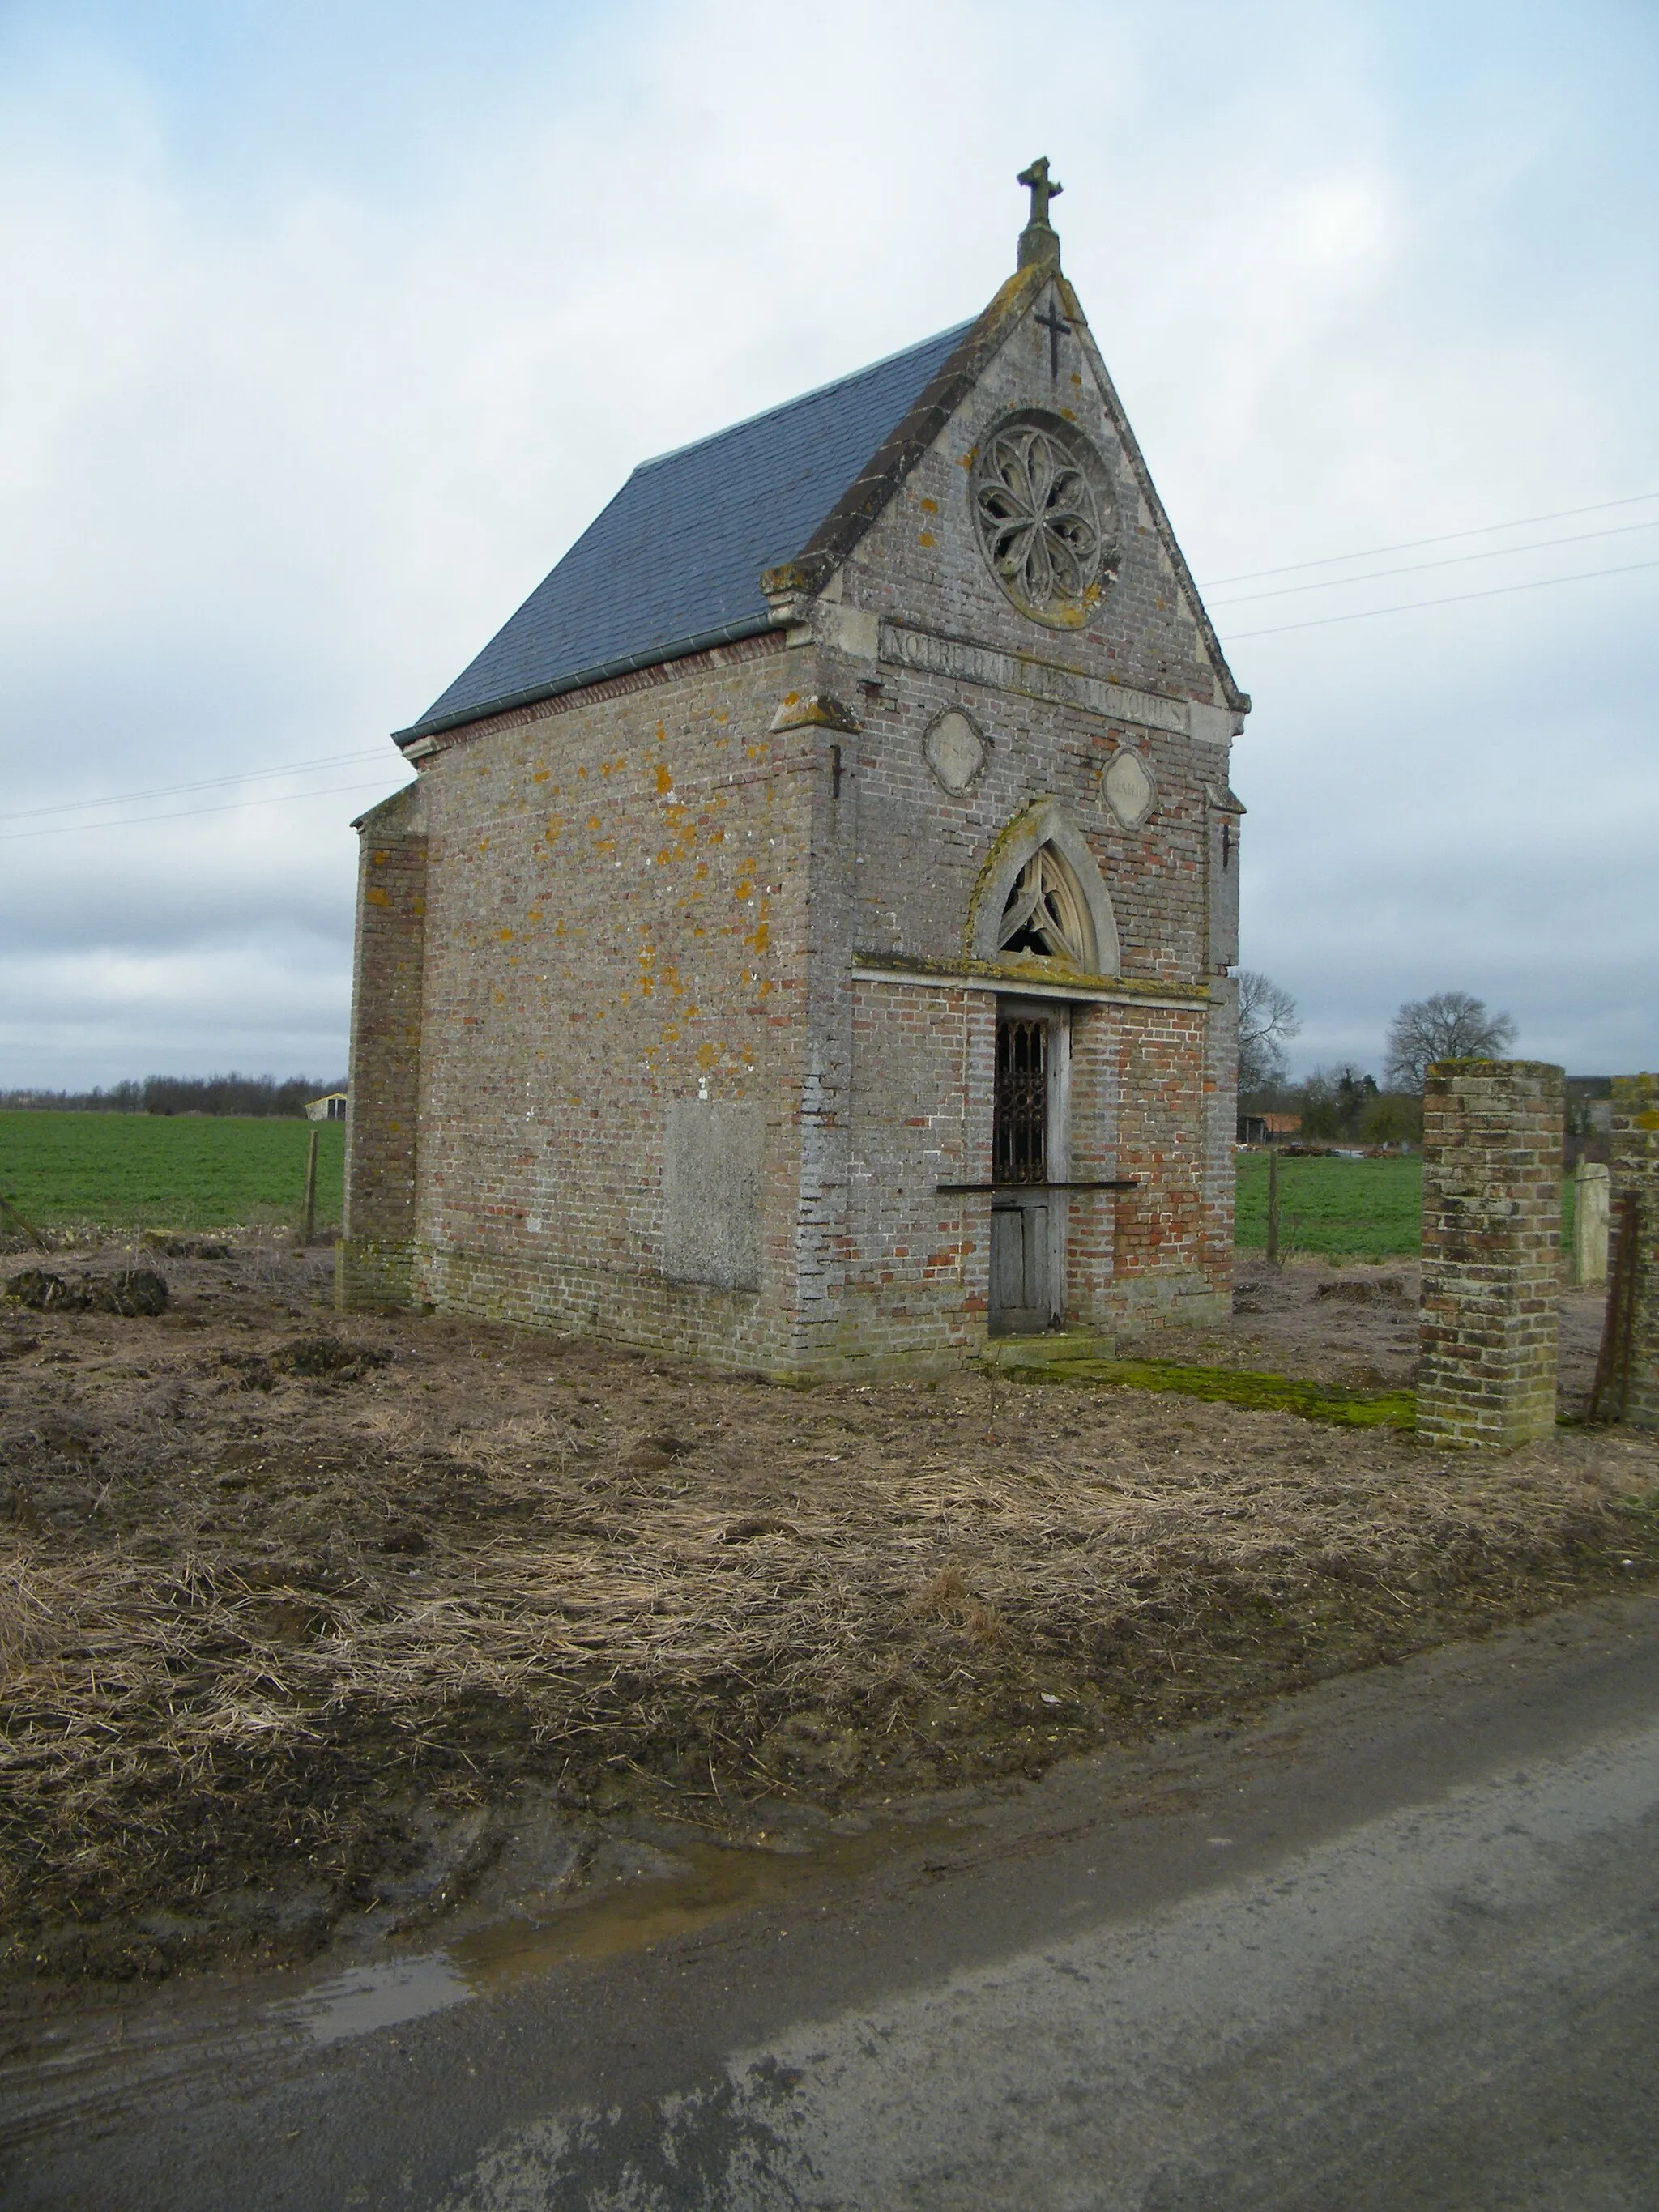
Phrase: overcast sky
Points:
(323, 329)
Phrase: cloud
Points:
(326, 331)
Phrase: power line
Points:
(1446, 560)
(1446, 599)
(1446, 537)
(207, 783)
(229, 806)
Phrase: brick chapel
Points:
(806, 943)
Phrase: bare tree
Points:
(1267, 1017)
(1451, 1025)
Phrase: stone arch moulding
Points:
(1046, 823)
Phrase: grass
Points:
(182, 1171)
(1344, 1209)
(1341, 1209)
(164, 1171)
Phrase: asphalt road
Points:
(1394, 1945)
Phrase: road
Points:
(1394, 1944)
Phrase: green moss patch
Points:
(1315, 1401)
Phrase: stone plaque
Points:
(955, 752)
(1129, 787)
(711, 1194)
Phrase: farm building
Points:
(331, 1107)
(1268, 1128)
(806, 943)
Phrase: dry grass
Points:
(250, 1619)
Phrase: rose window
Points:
(1041, 517)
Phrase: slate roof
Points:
(673, 564)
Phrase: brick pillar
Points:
(1492, 1260)
(1635, 1151)
(375, 1259)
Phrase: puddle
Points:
(710, 1882)
(85, 2072)
(364, 1998)
(720, 1880)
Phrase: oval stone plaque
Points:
(1129, 787)
(954, 750)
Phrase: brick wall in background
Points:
(1635, 1174)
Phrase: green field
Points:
(1342, 1209)
(218, 1171)
(165, 1171)
(1347, 1209)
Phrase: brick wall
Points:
(1491, 1264)
(375, 1259)
(616, 921)
(1635, 1174)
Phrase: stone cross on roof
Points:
(1039, 242)
(1042, 190)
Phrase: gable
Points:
(673, 564)
(1027, 412)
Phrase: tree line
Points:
(1345, 1102)
(259, 1095)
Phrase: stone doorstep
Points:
(1044, 1351)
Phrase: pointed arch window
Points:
(1046, 913)
(1040, 895)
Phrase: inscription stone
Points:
(963, 662)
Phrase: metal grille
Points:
(1019, 1128)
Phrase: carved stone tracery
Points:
(1044, 913)
(1043, 511)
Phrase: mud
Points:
(306, 1626)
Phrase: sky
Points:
(324, 329)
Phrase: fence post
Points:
(308, 1208)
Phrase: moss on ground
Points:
(1278, 1394)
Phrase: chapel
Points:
(805, 944)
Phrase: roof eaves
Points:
(600, 672)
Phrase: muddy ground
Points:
(294, 1611)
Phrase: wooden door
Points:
(1024, 1274)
